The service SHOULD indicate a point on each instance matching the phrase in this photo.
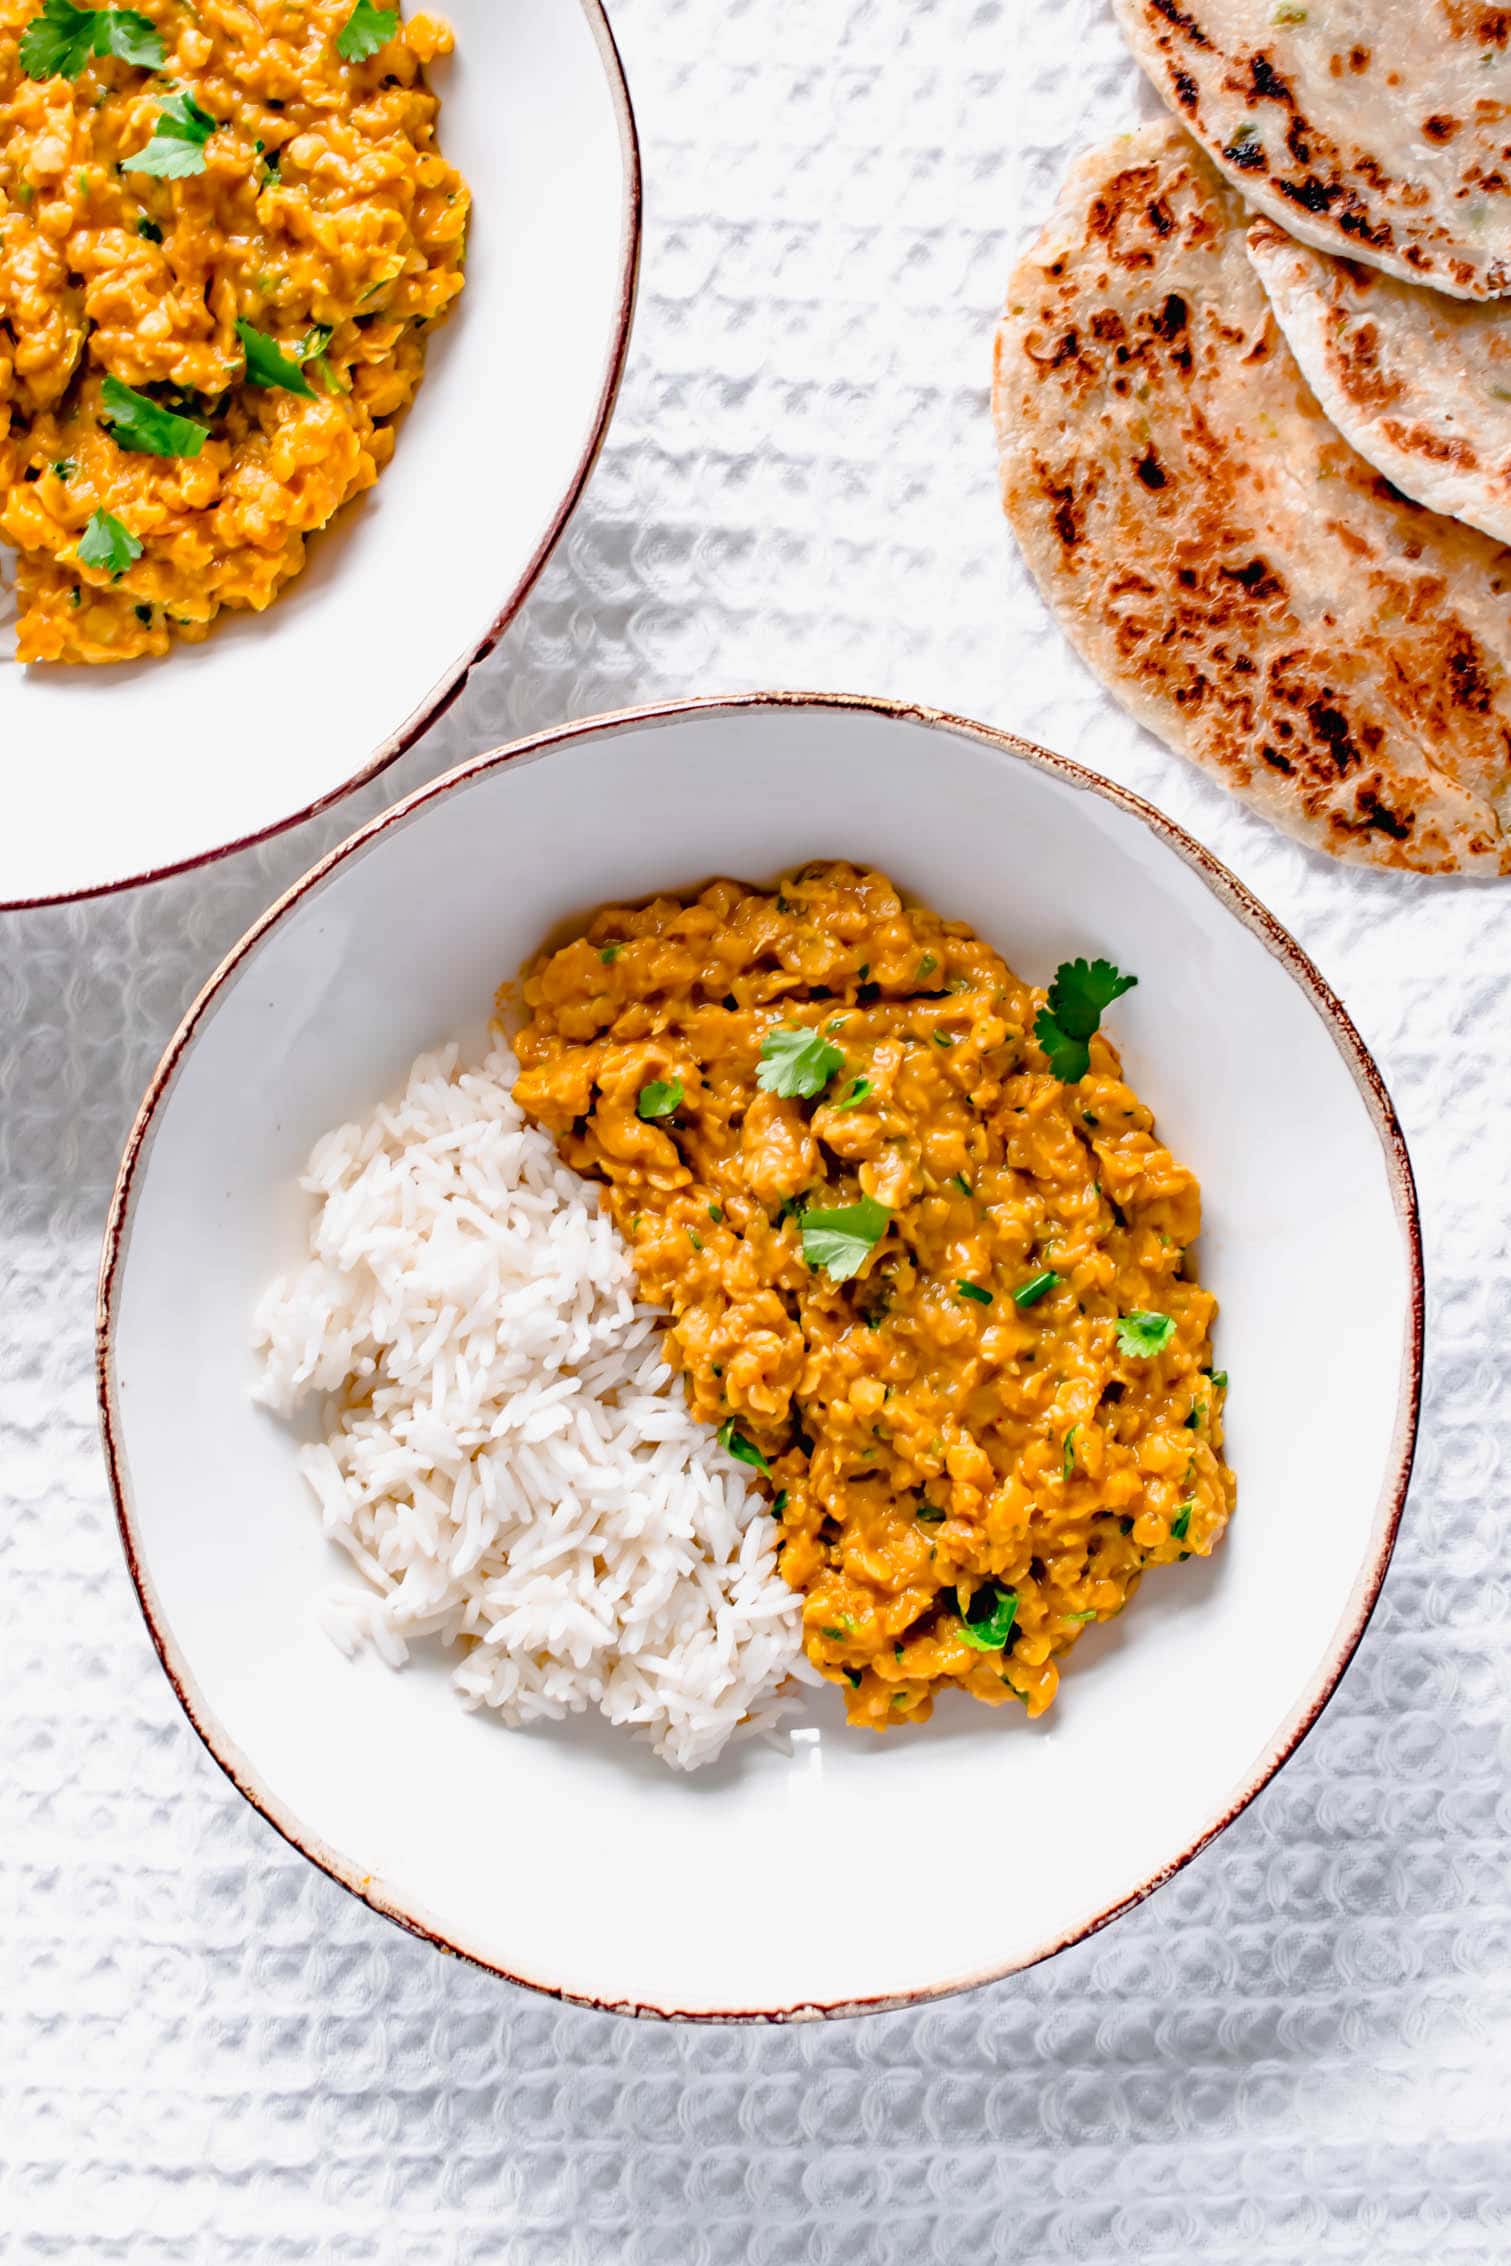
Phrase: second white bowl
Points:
(124, 774)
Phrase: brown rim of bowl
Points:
(453, 683)
(1239, 901)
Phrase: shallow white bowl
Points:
(859, 1871)
(125, 774)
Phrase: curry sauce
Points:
(934, 1289)
(238, 213)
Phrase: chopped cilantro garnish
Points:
(780, 1504)
(268, 365)
(64, 468)
(927, 967)
(1079, 996)
(177, 147)
(987, 1621)
(716, 1214)
(734, 1443)
(927, 1515)
(1081, 1619)
(144, 426)
(148, 228)
(961, 1183)
(1142, 1335)
(695, 1240)
(366, 30)
(797, 1063)
(942, 1038)
(1029, 1293)
(107, 544)
(62, 39)
(859, 1089)
(1180, 1526)
(1068, 1463)
(1220, 1379)
(609, 953)
(842, 1240)
(975, 1292)
(660, 1098)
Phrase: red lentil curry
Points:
(928, 1266)
(223, 230)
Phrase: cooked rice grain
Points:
(508, 1460)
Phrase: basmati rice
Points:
(508, 1460)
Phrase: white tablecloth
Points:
(1298, 2052)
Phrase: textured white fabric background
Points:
(1300, 2051)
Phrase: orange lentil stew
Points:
(224, 230)
(928, 1266)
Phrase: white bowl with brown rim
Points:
(121, 775)
(855, 1871)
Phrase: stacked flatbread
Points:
(1264, 480)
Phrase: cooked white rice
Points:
(508, 1460)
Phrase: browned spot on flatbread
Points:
(1393, 149)
(1418, 383)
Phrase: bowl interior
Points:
(115, 773)
(568, 1858)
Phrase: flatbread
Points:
(1380, 129)
(1420, 384)
(1251, 589)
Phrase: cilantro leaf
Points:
(734, 1443)
(366, 30)
(106, 543)
(1029, 1293)
(1079, 996)
(859, 1089)
(1069, 1059)
(1142, 1335)
(987, 1622)
(1180, 1525)
(144, 426)
(1068, 1463)
(177, 147)
(61, 40)
(268, 365)
(797, 1063)
(129, 36)
(660, 1098)
(841, 1241)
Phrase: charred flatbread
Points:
(1420, 384)
(1380, 129)
(1239, 577)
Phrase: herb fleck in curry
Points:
(928, 1266)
